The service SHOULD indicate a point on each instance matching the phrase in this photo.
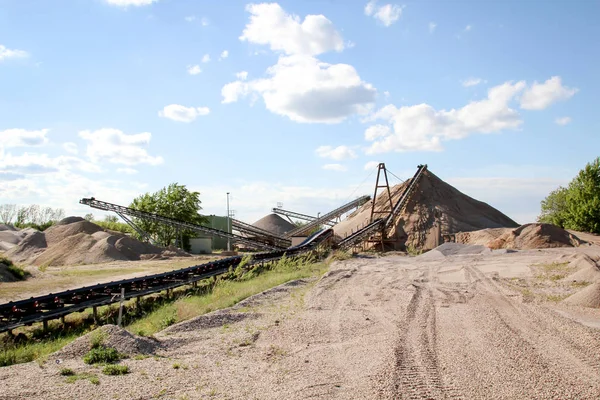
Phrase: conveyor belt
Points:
(329, 216)
(102, 205)
(260, 234)
(304, 217)
(56, 305)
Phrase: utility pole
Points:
(228, 224)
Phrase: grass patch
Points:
(580, 284)
(85, 375)
(115, 370)
(556, 297)
(554, 271)
(226, 293)
(67, 372)
(16, 354)
(16, 271)
(99, 355)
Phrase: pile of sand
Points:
(11, 236)
(534, 236)
(111, 336)
(434, 211)
(586, 270)
(454, 249)
(77, 241)
(275, 224)
(587, 297)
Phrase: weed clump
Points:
(115, 370)
(67, 372)
(99, 355)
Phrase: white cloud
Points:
(386, 94)
(421, 127)
(387, 14)
(38, 164)
(23, 138)
(306, 90)
(116, 147)
(472, 82)
(271, 25)
(6, 53)
(432, 26)
(336, 153)
(194, 69)
(190, 18)
(563, 120)
(206, 58)
(371, 165)
(204, 21)
(127, 171)
(242, 75)
(127, 3)
(468, 28)
(70, 147)
(224, 55)
(541, 95)
(335, 167)
(181, 113)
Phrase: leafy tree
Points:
(577, 206)
(174, 201)
(554, 208)
(583, 199)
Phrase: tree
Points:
(554, 208)
(578, 205)
(7, 213)
(583, 199)
(174, 201)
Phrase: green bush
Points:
(102, 355)
(67, 372)
(115, 370)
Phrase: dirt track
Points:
(392, 327)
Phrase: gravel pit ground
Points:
(389, 328)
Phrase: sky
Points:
(294, 102)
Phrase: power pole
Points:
(228, 224)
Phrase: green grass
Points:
(115, 370)
(67, 372)
(16, 354)
(85, 375)
(225, 293)
(99, 355)
(18, 272)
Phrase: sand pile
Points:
(587, 297)
(11, 236)
(534, 236)
(434, 211)
(454, 249)
(77, 241)
(275, 224)
(109, 336)
(586, 270)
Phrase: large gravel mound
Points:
(587, 297)
(535, 236)
(75, 241)
(275, 224)
(112, 336)
(434, 210)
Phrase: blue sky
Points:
(294, 102)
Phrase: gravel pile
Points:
(75, 241)
(587, 270)
(586, 297)
(454, 249)
(535, 236)
(113, 336)
(275, 224)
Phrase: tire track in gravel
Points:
(416, 374)
(555, 349)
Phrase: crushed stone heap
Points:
(275, 224)
(434, 212)
(75, 241)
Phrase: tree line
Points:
(32, 215)
(576, 206)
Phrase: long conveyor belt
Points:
(56, 305)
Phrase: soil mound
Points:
(108, 336)
(11, 236)
(535, 236)
(5, 227)
(454, 249)
(275, 224)
(587, 297)
(77, 241)
(434, 212)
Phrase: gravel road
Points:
(372, 328)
